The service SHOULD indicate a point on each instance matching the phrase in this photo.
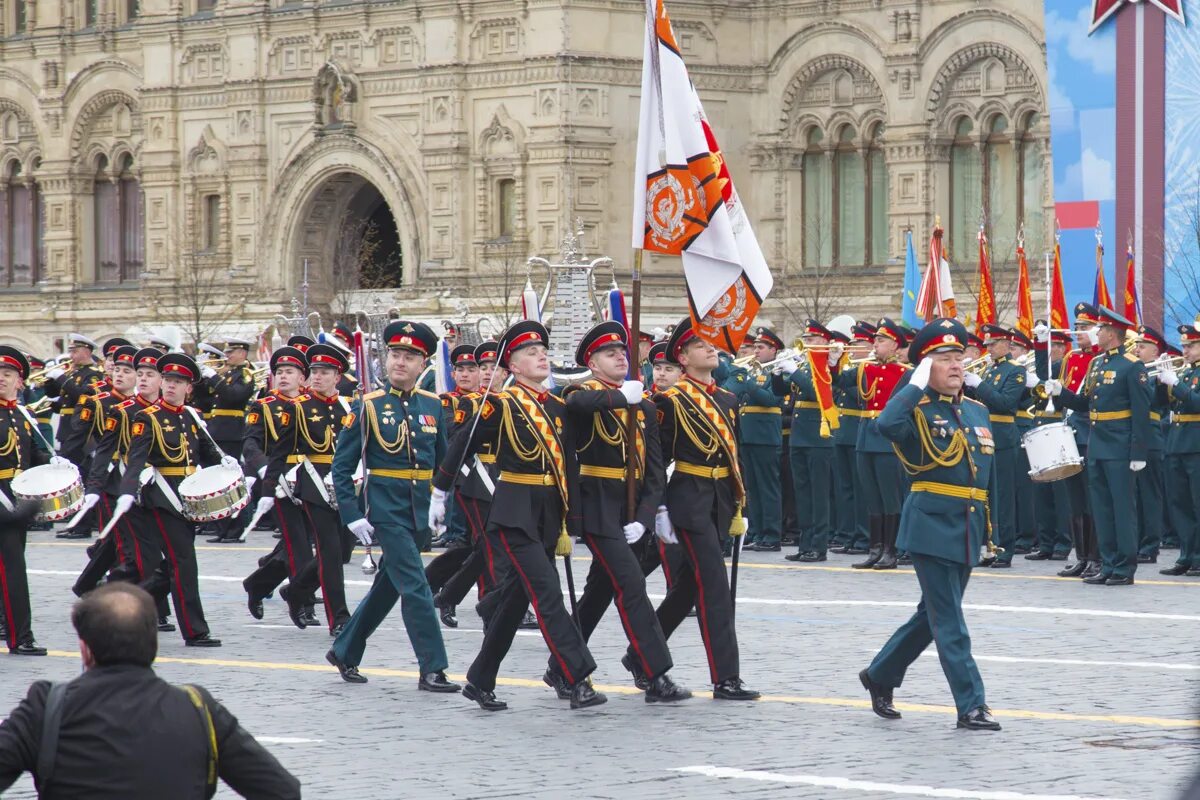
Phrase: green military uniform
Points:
(1001, 388)
(760, 401)
(1051, 499)
(850, 511)
(811, 450)
(946, 445)
(1116, 393)
(1149, 483)
(1183, 460)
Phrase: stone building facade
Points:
(144, 142)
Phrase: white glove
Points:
(59, 461)
(788, 366)
(1041, 333)
(920, 376)
(124, 503)
(662, 526)
(207, 372)
(634, 531)
(1031, 379)
(362, 530)
(1137, 466)
(437, 510)
(835, 351)
(1093, 336)
(57, 372)
(89, 500)
(971, 379)
(632, 391)
(1054, 387)
(1168, 377)
(230, 462)
(262, 472)
(264, 505)
(250, 481)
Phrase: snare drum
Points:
(1052, 452)
(56, 487)
(213, 493)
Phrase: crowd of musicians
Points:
(855, 453)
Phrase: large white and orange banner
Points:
(684, 202)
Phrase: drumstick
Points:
(112, 523)
(258, 514)
(79, 515)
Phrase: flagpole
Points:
(635, 368)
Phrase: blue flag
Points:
(912, 285)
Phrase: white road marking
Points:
(848, 784)
(538, 634)
(1083, 662)
(286, 740)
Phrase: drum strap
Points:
(316, 479)
(167, 491)
(283, 491)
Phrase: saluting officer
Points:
(528, 515)
(1182, 390)
(397, 436)
(166, 437)
(760, 411)
(20, 449)
(1001, 388)
(946, 445)
(704, 496)
(598, 412)
(231, 386)
(1116, 394)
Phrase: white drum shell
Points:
(1052, 452)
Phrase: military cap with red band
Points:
(658, 354)
(125, 355)
(13, 358)
(607, 334)
(680, 337)
(1087, 313)
(1115, 320)
(768, 337)
(147, 357)
(112, 344)
(178, 365)
(863, 332)
(463, 356)
(1149, 335)
(402, 334)
(890, 330)
(485, 352)
(996, 333)
(343, 332)
(326, 355)
(814, 328)
(940, 335)
(289, 356)
(301, 342)
(1188, 334)
(525, 333)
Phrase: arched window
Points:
(818, 203)
(1030, 163)
(21, 228)
(117, 200)
(849, 190)
(1000, 177)
(877, 199)
(966, 191)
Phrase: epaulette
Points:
(300, 398)
(374, 394)
(726, 391)
(427, 394)
(924, 401)
(670, 392)
(268, 399)
(973, 400)
(347, 376)
(151, 409)
(1132, 357)
(127, 403)
(101, 396)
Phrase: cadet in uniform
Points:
(597, 410)
(1116, 394)
(945, 444)
(397, 437)
(465, 371)
(1001, 388)
(231, 387)
(760, 399)
(20, 449)
(528, 515)
(1182, 390)
(167, 438)
(704, 496)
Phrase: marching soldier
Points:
(1149, 483)
(397, 437)
(875, 380)
(946, 445)
(528, 515)
(848, 491)
(167, 438)
(231, 387)
(465, 372)
(760, 399)
(1001, 388)
(1026, 515)
(1051, 499)
(704, 496)
(68, 384)
(1116, 394)
(1182, 390)
(267, 419)
(597, 410)
(811, 452)
(20, 449)
(305, 443)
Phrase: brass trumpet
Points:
(39, 405)
(1156, 368)
(756, 367)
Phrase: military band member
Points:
(1052, 501)
(20, 449)
(396, 436)
(528, 515)
(1020, 347)
(944, 441)
(597, 410)
(231, 387)
(1001, 388)
(875, 380)
(305, 444)
(268, 417)
(704, 496)
(158, 343)
(1149, 483)
(1182, 390)
(465, 372)
(167, 439)
(1116, 394)
(760, 410)
(850, 504)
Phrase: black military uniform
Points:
(70, 388)
(168, 439)
(20, 448)
(598, 411)
(526, 520)
(231, 388)
(698, 431)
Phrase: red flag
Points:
(1024, 294)
(1131, 296)
(1059, 320)
(986, 313)
(1100, 296)
(818, 360)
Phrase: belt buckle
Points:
(715, 473)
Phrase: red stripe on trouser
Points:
(619, 599)
(287, 539)
(320, 567)
(184, 616)
(662, 560)
(701, 605)
(116, 536)
(469, 504)
(137, 551)
(533, 599)
(487, 547)
(11, 624)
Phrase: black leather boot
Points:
(891, 529)
(875, 551)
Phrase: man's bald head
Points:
(118, 624)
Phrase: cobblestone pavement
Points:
(1096, 688)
